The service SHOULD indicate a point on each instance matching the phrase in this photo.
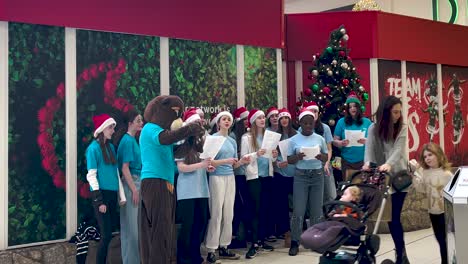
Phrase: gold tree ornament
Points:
(363, 5)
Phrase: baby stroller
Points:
(328, 236)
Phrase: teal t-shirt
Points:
(157, 160)
(129, 152)
(106, 173)
(356, 153)
(228, 150)
(298, 141)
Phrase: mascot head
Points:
(163, 110)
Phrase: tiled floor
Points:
(421, 246)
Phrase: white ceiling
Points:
(310, 6)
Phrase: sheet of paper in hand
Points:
(284, 146)
(212, 146)
(310, 152)
(353, 136)
(270, 142)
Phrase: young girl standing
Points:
(103, 180)
(222, 185)
(192, 196)
(129, 159)
(432, 179)
(258, 168)
(309, 178)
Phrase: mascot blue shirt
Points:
(157, 159)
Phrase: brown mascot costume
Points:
(157, 218)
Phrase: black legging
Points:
(105, 222)
(438, 225)
(395, 226)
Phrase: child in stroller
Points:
(349, 227)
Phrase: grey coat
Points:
(392, 153)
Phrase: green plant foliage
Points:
(36, 208)
(260, 77)
(203, 74)
(138, 84)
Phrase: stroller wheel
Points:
(387, 261)
(373, 243)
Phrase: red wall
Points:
(256, 23)
(379, 35)
(307, 34)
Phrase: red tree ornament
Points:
(326, 90)
(345, 82)
(307, 92)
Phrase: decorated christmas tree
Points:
(334, 78)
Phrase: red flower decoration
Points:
(45, 116)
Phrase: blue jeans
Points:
(307, 190)
(329, 192)
(129, 226)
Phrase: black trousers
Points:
(254, 187)
(438, 225)
(194, 215)
(267, 215)
(395, 226)
(283, 187)
(157, 223)
(241, 212)
(105, 222)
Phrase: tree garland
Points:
(46, 115)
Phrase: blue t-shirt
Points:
(290, 170)
(107, 176)
(157, 159)
(241, 169)
(298, 141)
(191, 185)
(129, 152)
(352, 154)
(262, 163)
(228, 150)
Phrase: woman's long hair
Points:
(190, 150)
(289, 130)
(127, 117)
(255, 131)
(239, 129)
(349, 120)
(106, 150)
(385, 129)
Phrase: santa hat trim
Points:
(255, 116)
(108, 122)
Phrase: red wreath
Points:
(46, 114)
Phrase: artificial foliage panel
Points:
(115, 73)
(203, 74)
(260, 77)
(36, 134)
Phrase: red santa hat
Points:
(200, 112)
(310, 105)
(284, 112)
(254, 114)
(221, 114)
(271, 111)
(241, 113)
(101, 122)
(190, 116)
(305, 112)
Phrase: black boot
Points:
(401, 257)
